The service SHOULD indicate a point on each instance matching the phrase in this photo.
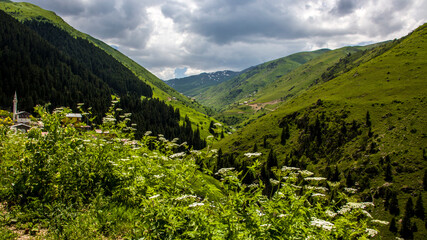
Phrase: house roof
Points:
(21, 125)
(23, 112)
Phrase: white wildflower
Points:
(218, 124)
(285, 168)
(306, 173)
(322, 224)
(380, 222)
(274, 182)
(260, 213)
(196, 204)
(255, 154)
(265, 225)
(367, 213)
(159, 176)
(350, 190)
(210, 136)
(154, 196)
(314, 178)
(147, 133)
(175, 140)
(196, 152)
(185, 196)
(253, 185)
(323, 189)
(318, 195)
(223, 171)
(330, 213)
(371, 232)
(177, 155)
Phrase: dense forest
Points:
(44, 64)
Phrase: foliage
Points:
(88, 185)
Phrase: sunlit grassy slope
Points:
(280, 90)
(197, 113)
(253, 79)
(388, 82)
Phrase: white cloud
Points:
(212, 35)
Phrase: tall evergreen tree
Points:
(271, 159)
(368, 119)
(392, 226)
(388, 173)
(255, 148)
(394, 204)
(425, 180)
(406, 229)
(419, 207)
(409, 208)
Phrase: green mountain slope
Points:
(253, 79)
(196, 112)
(290, 85)
(194, 85)
(368, 123)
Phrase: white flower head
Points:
(154, 196)
(224, 171)
(177, 155)
(371, 232)
(380, 222)
(322, 224)
(196, 204)
(255, 154)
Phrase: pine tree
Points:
(336, 175)
(388, 173)
(409, 208)
(392, 226)
(419, 207)
(394, 204)
(368, 119)
(425, 180)
(406, 229)
(271, 159)
(255, 148)
(349, 180)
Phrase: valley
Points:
(323, 144)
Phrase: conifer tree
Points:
(336, 175)
(406, 229)
(392, 226)
(425, 180)
(271, 159)
(388, 173)
(394, 204)
(409, 208)
(255, 148)
(419, 207)
(368, 119)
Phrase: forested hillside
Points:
(197, 113)
(64, 71)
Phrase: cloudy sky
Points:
(174, 38)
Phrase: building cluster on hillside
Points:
(23, 121)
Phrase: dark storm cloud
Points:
(124, 20)
(207, 35)
(228, 21)
(345, 7)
